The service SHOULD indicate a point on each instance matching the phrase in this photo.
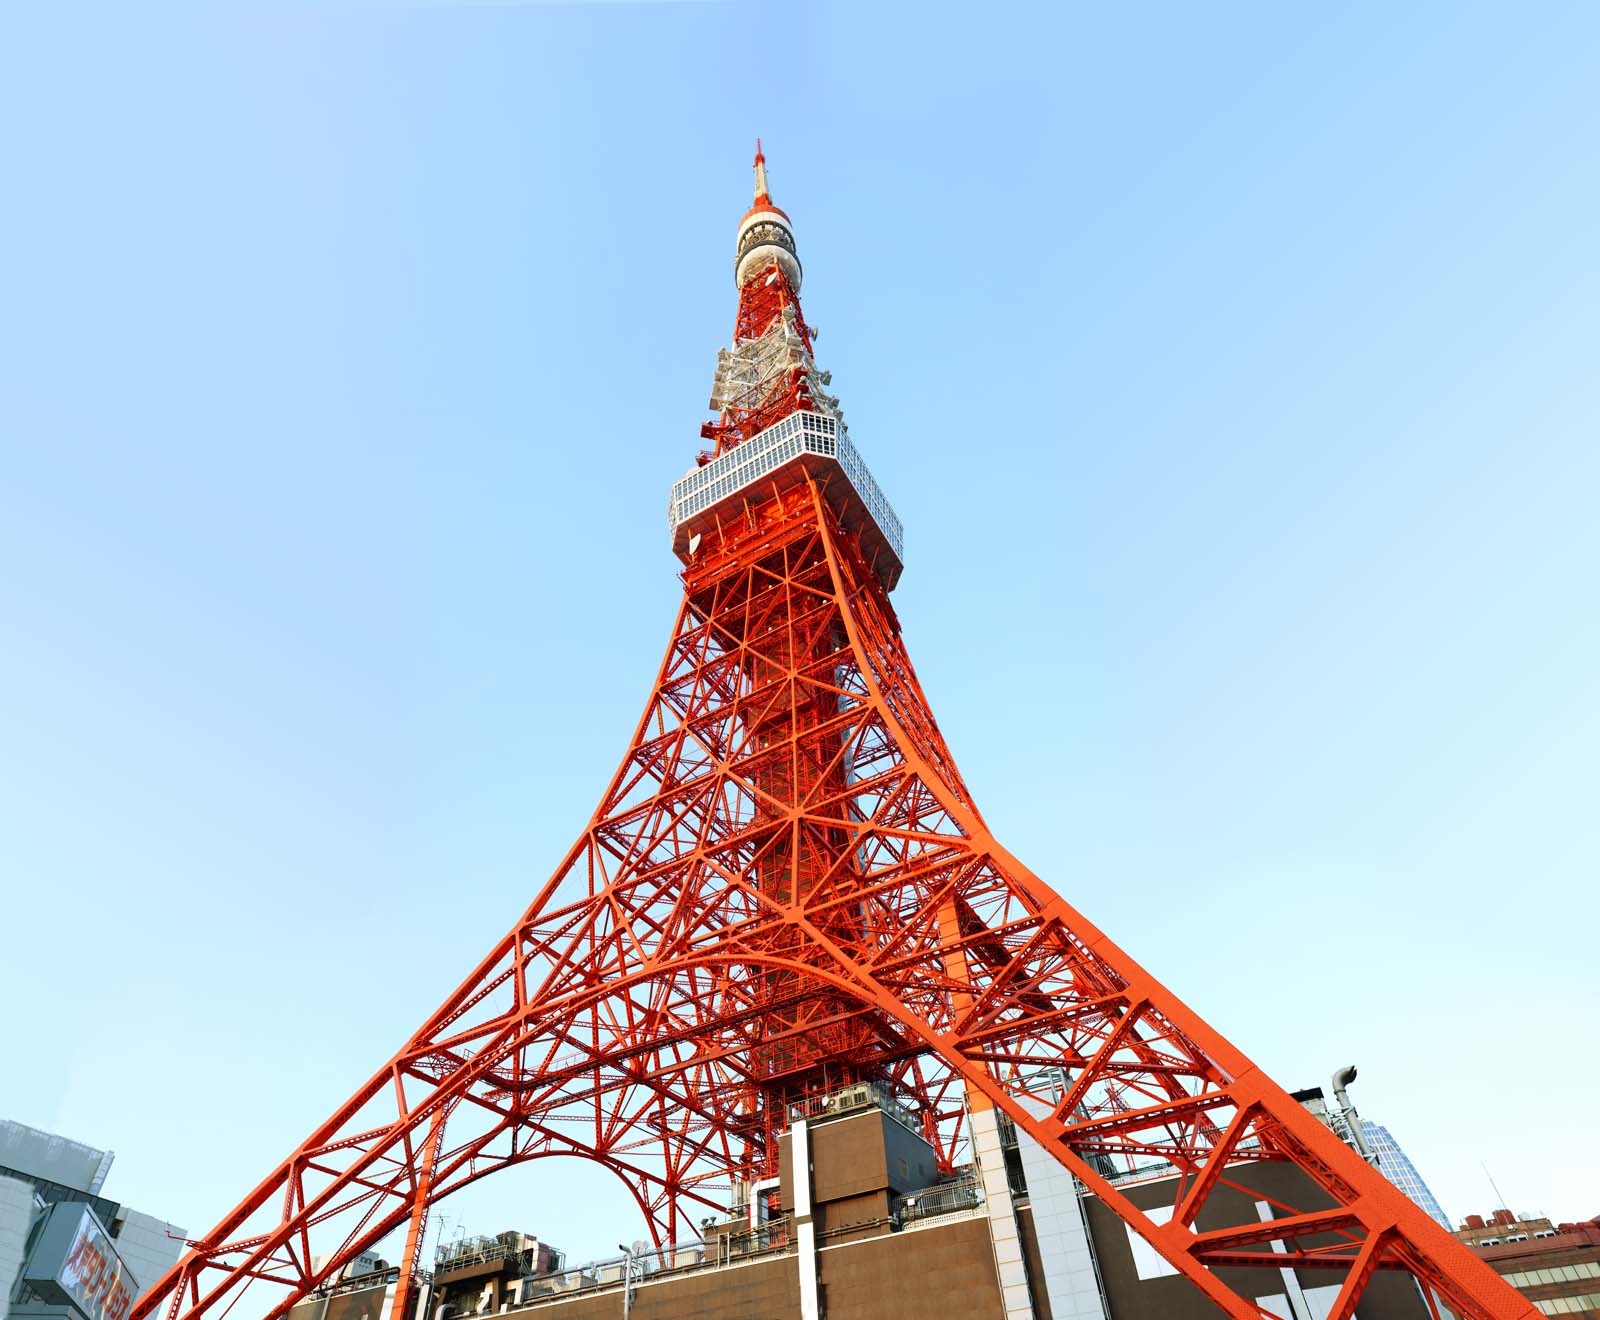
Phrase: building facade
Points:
(66, 1249)
(861, 1225)
(1556, 1267)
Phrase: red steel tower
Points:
(787, 888)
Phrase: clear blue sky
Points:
(1233, 370)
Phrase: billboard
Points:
(73, 1262)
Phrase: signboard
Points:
(73, 1262)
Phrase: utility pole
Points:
(627, 1279)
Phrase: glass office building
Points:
(1399, 1170)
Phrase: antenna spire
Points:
(761, 175)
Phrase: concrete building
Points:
(52, 1208)
(868, 1229)
(1557, 1268)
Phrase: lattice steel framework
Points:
(787, 887)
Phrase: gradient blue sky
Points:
(1232, 368)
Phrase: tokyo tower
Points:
(785, 890)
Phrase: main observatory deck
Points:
(782, 455)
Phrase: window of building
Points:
(1569, 1305)
(1555, 1274)
(1584, 1269)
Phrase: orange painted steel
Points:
(787, 886)
(406, 1285)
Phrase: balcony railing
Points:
(946, 1199)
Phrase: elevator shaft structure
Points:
(785, 888)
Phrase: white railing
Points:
(763, 453)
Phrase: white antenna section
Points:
(748, 373)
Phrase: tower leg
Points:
(406, 1289)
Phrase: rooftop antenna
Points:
(1499, 1197)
